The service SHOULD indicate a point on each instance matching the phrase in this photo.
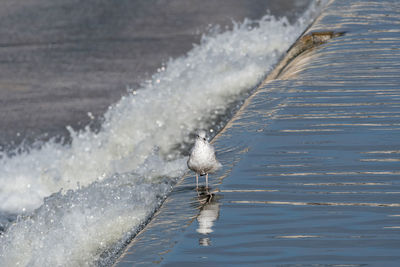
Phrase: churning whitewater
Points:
(79, 202)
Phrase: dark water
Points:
(311, 163)
(61, 59)
(80, 203)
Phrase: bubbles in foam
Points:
(77, 200)
(77, 226)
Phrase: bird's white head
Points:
(202, 135)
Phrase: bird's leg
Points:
(206, 180)
(197, 180)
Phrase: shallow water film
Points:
(311, 161)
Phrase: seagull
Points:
(202, 158)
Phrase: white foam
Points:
(94, 205)
(74, 228)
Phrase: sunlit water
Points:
(80, 202)
(310, 163)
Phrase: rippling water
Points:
(311, 173)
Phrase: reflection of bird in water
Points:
(208, 215)
(202, 158)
